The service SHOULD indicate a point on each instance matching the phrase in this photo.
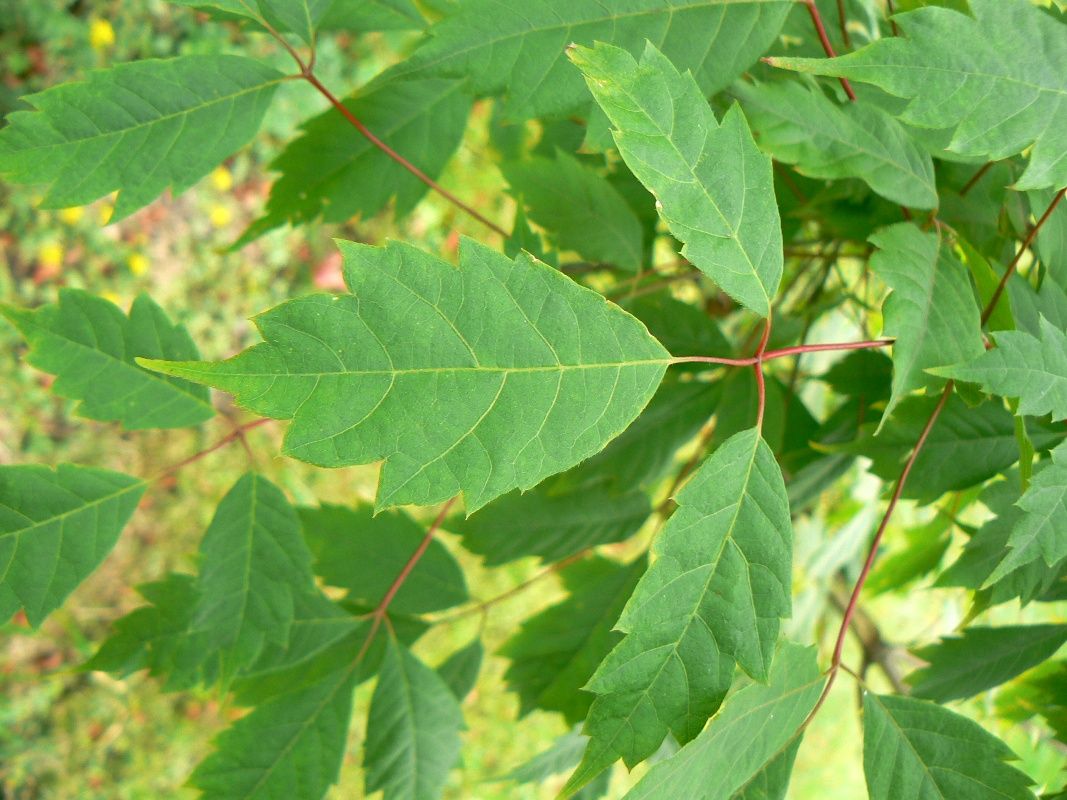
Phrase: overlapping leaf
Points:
(91, 347)
(1001, 85)
(713, 186)
(526, 372)
(55, 529)
(137, 128)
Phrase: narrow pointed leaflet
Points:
(479, 379)
(713, 597)
(713, 186)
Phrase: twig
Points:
(828, 48)
(975, 178)
(842, 19)
(237, 434)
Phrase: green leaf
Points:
(521, 52)
(372, 15)
(363, 553)
(798, 124)
(997, 106)
(253, 562)
(682, 328)
(333, 173)
(552, 525)
(931, 311)
(412, 730)
(962, 666)
(756, 731)
(718, 584)
(90, 346)
(1032, 368)
(299, 16)
(917, 749)
(528, 373)
(555, 652)
(136, 128)
(460, 670)
(579, 207)
(926, 546)
(55, 529)
(713, 186)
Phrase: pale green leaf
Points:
(996, 76)
(713, 186)
(55, 529)
(412, 730)
(527, 372)
(136, 128)
(919, 750)
(90, 346)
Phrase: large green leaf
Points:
(713, 186)
(963, 666)
(919, 750)
(997, 105)
(527, 372)
(800, 125)
(520, 49)
(55, 529)
(717, 587)
(412, 730)
(931, 312)
(750, 745)
(136, 128)
(90, 346)
(1032, 368)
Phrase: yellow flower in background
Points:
(72, 216)
(105, 212)
(137, 264)
(222, 179)
(101, 34)
(220, 215)
(50, 256)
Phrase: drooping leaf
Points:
(412, 730)
(528, 372)
(713, 186)
(1032, 368)
(917, 749)
(460, 670)
(333, 172)
(90, 346)
(56, 526)
(715, 592)
(931, 311)
(579, 208)
(750, 744)
(997, 106)
(521, 51)
(361, 552)
(800, 125)
(963, 666)
(137, 128)
(555, 652)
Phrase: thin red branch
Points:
(770, 355)
(842, 19)
(975, 178)
(761, 382)
(237, 434)
(828, 48)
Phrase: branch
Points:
(828, 48)
(237, 434)
(842, 19)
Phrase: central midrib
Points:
(548, 368)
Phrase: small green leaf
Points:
(460, 670)
(299, 16)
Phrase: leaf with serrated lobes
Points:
(478, 379)
(90, 346)
(136, 128)
(713, 186)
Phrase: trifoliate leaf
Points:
(997, 106)
(758, 727)
(55, 529)
(920, 750)
(800, 125)
(555, 652)
(520, 51)
(527, 373)
(931, 310)
(90, 346)
(137, 128)
(1032, 368)
(363, 553)
(713, 186)
(412, 729)
(579, 208)
(962, 666)
(715, 592)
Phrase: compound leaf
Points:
(528, 373)
(713, 186)
(91, 347)
(136, 128)
(55, 529)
